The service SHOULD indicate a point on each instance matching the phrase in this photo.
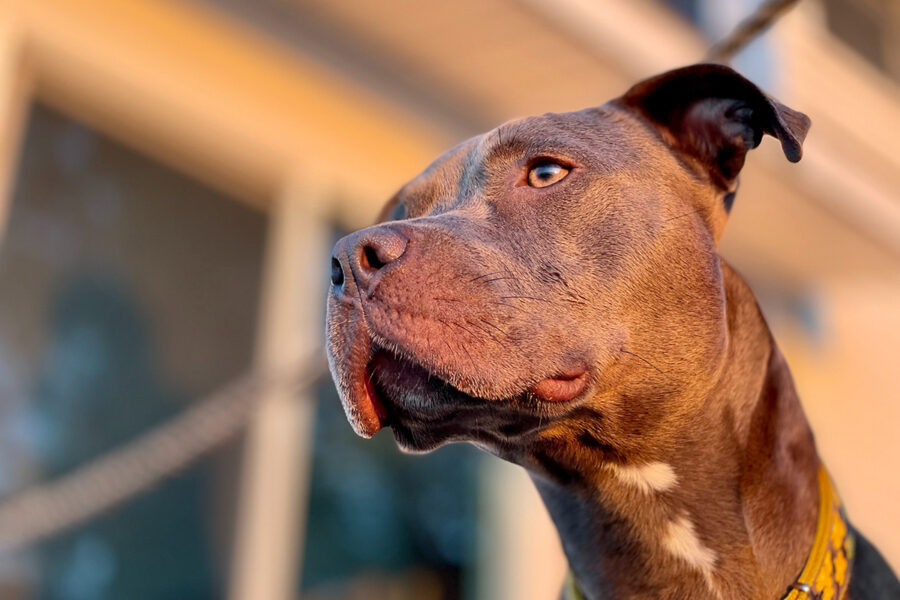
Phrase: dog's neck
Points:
(726, 510)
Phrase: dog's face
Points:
(538, 282)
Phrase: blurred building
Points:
(175, 172)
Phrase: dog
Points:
(551, 292)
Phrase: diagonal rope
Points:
(749, 29)
(48, 508)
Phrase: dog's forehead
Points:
(600, 136)
(586, 133)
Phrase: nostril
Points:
(337, 272)
(373, 250)
(371, 259)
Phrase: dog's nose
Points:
(363, 254)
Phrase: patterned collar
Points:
(826, 575)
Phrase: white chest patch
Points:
(651, 477)
(681, 540)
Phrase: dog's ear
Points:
(714, 115)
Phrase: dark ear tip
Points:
(795, 126)
(665, 99)
(791, 152)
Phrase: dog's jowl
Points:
(552, 292)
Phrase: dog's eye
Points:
(546, 173)
(398, 213)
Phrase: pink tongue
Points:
(370, 413)
(560, 389)
(374, 399)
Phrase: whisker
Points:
(445, 299)
(476, 278)
(638, 356)
(493, 279)
(489, 324)
(526, 298)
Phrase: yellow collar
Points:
(571, 591)
(826, 575)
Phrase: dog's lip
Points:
(371, 416)
(563, 387)
(372, 395)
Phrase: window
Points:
(126, 290)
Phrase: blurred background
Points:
(174, 173)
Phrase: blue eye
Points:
(546, 173)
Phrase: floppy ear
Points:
(714, 115)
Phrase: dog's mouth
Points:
(402, 390)
(432, 385)
(564, 387)
(374, 399)
(425, 410)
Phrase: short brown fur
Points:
(481, 286)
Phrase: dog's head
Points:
(557, 276)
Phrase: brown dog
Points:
(551, 291)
